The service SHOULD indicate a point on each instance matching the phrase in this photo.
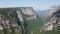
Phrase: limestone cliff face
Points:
(54, 20)
(28, 12)
(53, 9)
(16, 17)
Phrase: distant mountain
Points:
(42, 12)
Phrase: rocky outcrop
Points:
(54, 20)
(16, 18)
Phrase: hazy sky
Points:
(37, 4)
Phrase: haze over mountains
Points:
(26, 20)
(52, 16)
